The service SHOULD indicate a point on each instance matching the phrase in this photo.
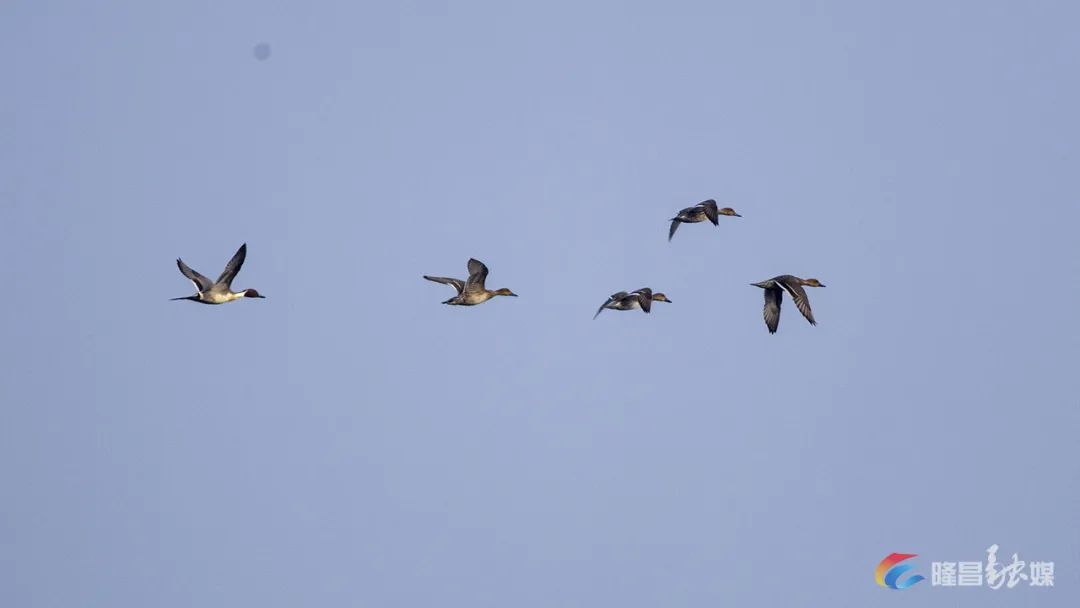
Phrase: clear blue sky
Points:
(351, 442)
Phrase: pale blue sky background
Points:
(351, 442)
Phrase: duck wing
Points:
(478, 273)
(201, 283)
(457, 284)
(773, 297)
(798, 294)
(674, 226)
(644, 297)
(233, 266)
(711, 211)
(615, 297)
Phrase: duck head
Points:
(504, 292)
(728, 211)
(659, 297)
(812, 283)
(251, 293)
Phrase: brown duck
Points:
(774, 295)
(705, 210)
(471, 291)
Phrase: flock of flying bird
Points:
(472, 291)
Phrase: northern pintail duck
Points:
(219, 291)
(705, 210)
(774, 294)
(471, 291)
(641, 298)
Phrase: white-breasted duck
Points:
(219, 291)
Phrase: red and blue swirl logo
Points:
(890, 570)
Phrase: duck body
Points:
(470, 298)
(215, 296)
(640, 299)
(774, 297)
(471, 291)
(219, 291)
